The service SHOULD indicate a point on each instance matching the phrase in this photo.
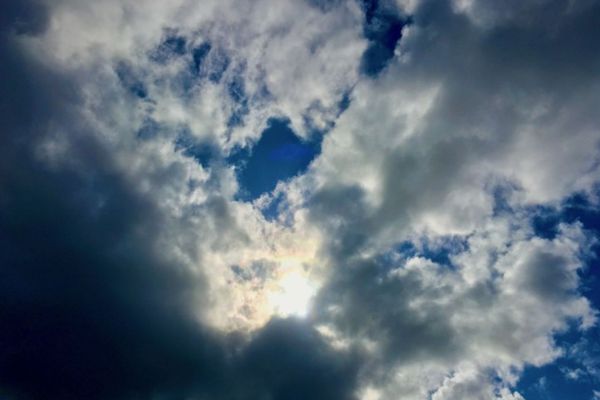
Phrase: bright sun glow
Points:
(292, 295)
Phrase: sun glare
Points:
(292, 295)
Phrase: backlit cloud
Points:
(318, 199)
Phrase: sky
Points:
(299, 199)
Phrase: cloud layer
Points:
(429, 250)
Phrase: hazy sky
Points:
(299, 200)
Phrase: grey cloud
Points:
(462, 109)
(110, 233)
(369, 304)
(497, 113)
(93, 303)
(93, 309)
(412, 315)
(290, 360)
(343, 214)
(488, 14)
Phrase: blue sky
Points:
(299, 199)
(278, 156)
(570, 376)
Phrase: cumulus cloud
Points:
(405, 261)
(473, 316)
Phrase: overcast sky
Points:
(299, 199)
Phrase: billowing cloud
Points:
(297, 199)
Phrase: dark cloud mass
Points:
(93, 310)
(188, 210)
(90, 307)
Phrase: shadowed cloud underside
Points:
(312, 199)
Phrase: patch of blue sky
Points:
(278, 155)
(570, 376)
(577, 208)
(199, 55)
(546, 218)
(557, 380)
(440, 251)
(545, 221)
(383, 29)
(580, 209)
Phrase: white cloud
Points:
(460, 111)
(449, 329)
(295, 61)
(469, 384)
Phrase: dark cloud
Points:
(23, 16)
(104, 289)
(289, 360)
(371, 305)
(90, 304)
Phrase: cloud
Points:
(421, 320)
(85, 290)
(467, 385)
(101, 281)
(131, 267)
(463, 110)
(245, 64)
(285, 357)
(425, 140)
